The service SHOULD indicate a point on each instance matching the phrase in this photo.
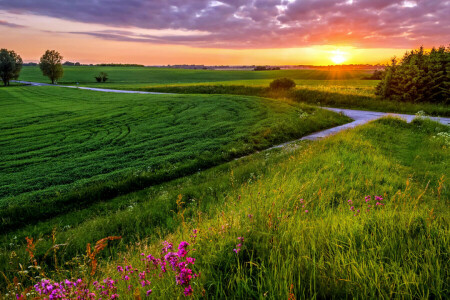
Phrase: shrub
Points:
(102, 77)
(282, 84)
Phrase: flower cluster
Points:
(133, 278)
(178, 262)
(64, 290)
(239, 246)
(368, 200)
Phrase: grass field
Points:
(302, 237)
(75, 147)
(161, 76)
(344, 89)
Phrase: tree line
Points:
(420, 76)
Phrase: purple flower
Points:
(188, 291)
(190, 260)
(119, 269)
(306, 211)
(149, 292)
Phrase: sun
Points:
(338, 57)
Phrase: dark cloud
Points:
(259, 23)
(11, 25)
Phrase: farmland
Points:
(104, 144)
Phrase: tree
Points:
(10, 65)
(420, 76)
(50, 65)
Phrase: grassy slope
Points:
(75, 147)
(399, 250)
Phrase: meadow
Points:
(344, 89)
(361, 214)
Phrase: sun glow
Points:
(338, 57)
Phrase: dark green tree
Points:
(420, 76)
(10, 65)
(50, 65)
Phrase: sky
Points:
(226, 32)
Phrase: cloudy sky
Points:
(223, 32)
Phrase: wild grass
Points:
(302, 238)
(64, 149)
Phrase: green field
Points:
(161, 76)
(397, 250)
(345, 89)
(78, 166)
(77, 147)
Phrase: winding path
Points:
(360, 117)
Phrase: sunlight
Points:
(338, 57)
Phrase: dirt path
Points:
(89, 88)
(360, 117)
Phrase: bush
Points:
(282, 84)
(102, 77)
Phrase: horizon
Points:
(228, 32)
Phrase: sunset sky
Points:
(234, 32)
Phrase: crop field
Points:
(59, 141)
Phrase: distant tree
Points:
(376, 75)
(282, 84)
(51, 66)
(10, 65)
(102, 77)
(419, 76)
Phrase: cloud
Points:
(11, 25)
(257, 23)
